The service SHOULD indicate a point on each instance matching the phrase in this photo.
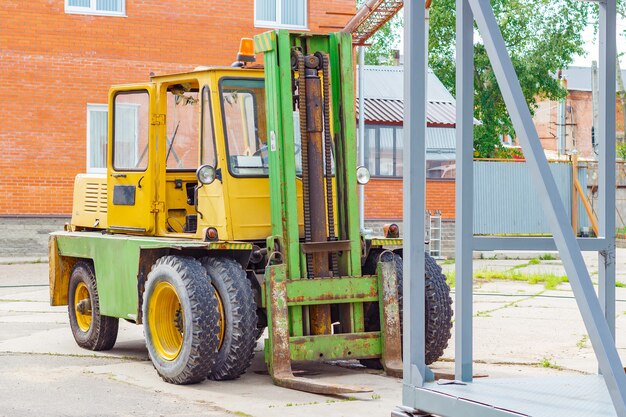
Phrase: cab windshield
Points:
(245, 129)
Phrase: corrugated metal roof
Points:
(388, 82)
(440, 140)
(391, 111)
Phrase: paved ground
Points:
(520, 329)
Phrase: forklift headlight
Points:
(362, 175)
(205, 174)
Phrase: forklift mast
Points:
(314, 291)
(312, 76)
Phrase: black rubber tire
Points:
(102, 332)
(240, 321)
(259, 333)
(438, 306)
(200, 319)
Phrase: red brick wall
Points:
(579, 120)
(52, 64)
(383, 198)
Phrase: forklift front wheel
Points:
(238, 321)
(180, 320)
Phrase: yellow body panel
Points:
(89, 208)
(211, 206)
(249, 202)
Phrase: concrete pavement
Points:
(520, 329)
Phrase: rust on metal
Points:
(332, 290)
(330, 246)
(390, 319)
(280, 362)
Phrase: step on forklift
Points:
(230, 205)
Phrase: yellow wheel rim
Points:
(82, 319)
(167, 321)
(222, 320)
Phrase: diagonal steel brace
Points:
(588, 303)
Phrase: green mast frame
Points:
(288, 291)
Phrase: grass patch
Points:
(620, 284)
(547, 257)
(549, 280)
(241, 414)
(451, 279)
(449, 261)
(533, 261)
(545, 363)
(582, 343)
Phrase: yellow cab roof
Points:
(251, 71)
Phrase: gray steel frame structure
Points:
(598, 311)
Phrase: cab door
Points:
(131, 182)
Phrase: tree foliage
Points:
(383, 43)
(542, 37)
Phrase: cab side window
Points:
(208, 138)
(130, 130)
(182, 128)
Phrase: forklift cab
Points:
(190, 156)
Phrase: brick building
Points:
(578, 116)
(59, 57)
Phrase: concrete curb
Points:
(14, 260)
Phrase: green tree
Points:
(542, 37)
(384, 42)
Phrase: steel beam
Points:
(606, 161)
(463, 349)
(588, 304)
(415, 370)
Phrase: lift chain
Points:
(323, 57)
(304, 151)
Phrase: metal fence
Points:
(505, 201)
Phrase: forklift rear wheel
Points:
(180, 320)
(91, 330)
(238, 319)
(438, 306)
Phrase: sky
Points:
(592, 45)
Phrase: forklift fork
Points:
(278, 346)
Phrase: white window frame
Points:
(94, 107)
(276, 24)
(91, 10)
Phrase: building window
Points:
(383, 150)
(280, 13)
(97, 7)
(96, 137)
